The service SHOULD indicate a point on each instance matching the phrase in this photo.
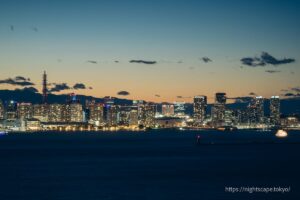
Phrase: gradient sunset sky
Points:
(199, 46)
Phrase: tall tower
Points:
(45, 91)
(218, 110)
(275, 110)
(200, 104)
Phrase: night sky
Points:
(152, 50)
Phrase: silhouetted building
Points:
(45, 90)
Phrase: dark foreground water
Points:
(148, 165)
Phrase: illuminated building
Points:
(65, 113)
(169, 122)
(218, 109)
(11, 110)
(200, 104)
(55, 112)
(167, 109)
(229, 117)
(290, 121)
(76, 112)
(133, 117)
(96, 113)
(40, 112)
(146, 113)
(275, 110)
(259, 102)
(1, 110)
(256, 111)
(124, 115)
(25, 110)
(149, 114)
(110, 110)
(110, 114)
(33, 125)
(179, 108)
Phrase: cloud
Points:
(92, 61)
(265, 59)
(253, 62)
(295, 89)
(17, 81)
(21, 78)
(79, 86)
(29, 89)
(292, 95)
(59, 87)
(291, 92)
(143, 62)
(35, 29)
(289, 95)
(123, 93)
(182, 97)
(206, 59)
(252, 94)
(272, 71)
(157, 95)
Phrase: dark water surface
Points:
(160, 164)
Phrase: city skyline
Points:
(157, 51)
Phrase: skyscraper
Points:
(41, 112)
(256, 111)
(133, 118)
(45, 90)
(275, 110)
(150, 110)
(11, 110)
(96, 113)
(179, 108)
(76, 112)
(200, 104)
(25, 110)
(167, 109)
(55, 112)
(1, 110)
(218, 109)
